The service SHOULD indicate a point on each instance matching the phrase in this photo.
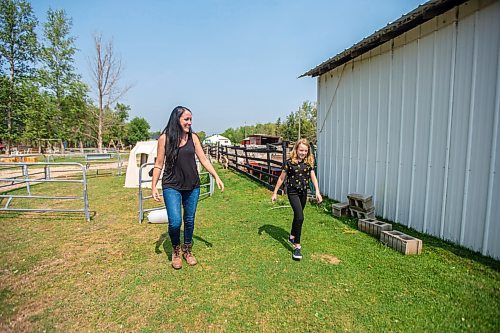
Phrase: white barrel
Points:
(158, 216)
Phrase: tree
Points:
(106, 72)
(202, 135)
(57, 75)
(138, 130)
(301, 123)
(18, 54)
(116, 126)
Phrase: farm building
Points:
(410, 115)
(261, 139)
(214, 139)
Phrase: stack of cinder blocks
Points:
(361, 206)
(340, 209)
(397, 240)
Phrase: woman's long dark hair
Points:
(173, 133)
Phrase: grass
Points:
(62, 274)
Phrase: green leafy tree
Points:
(58, 76)
(18, 54)
(202, 135)
(301, 123)
(116, 123)
(138, 130)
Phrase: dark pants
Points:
(298, 201)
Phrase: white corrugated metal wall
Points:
(415, 122)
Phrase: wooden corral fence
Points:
(261, 163)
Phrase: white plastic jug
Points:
(158, 216)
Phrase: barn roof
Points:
(407, 22)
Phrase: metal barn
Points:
(410, 115)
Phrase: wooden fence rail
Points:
(262, 163)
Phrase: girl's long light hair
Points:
(309, 159)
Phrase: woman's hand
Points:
(319, 198)
(155, 194)
(273, 198)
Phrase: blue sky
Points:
(231, 62)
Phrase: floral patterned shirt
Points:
(298, 175)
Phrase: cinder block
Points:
(401, 242)
(359, 214)
(360, 201)
(373, 226)
(340, 209)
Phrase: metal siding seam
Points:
(342, 125)
(333, 157)
(338, 142)
(450, 117)
(318, 134)
(350, 131)
(415, 122)
(377, 137)
(359, 132)
(493, 155)
(389, 112)
(431, 141)
(469, 132)
(398, 190)
(368, 116)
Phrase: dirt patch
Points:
(326, 258)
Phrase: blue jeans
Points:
(173, 200)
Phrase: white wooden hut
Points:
(410, 115)
(214, 139)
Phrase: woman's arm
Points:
(314, 180)
(205, 162)
(280, 181)
(159, 163)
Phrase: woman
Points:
(298, 171)
(177, 147)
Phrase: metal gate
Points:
(24, 175)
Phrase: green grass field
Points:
(62, 274)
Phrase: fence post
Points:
(217, 151)
(284, 145)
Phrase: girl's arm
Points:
(206, 163)
(314, 180)
(280, 181)
(160, 161)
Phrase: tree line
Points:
(43, 97)
(298, 124)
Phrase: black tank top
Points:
(184, 175)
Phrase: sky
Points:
(232, 62)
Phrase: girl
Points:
(177, 147)
(298, 170)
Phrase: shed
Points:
(261, 139)
(410, 115)
(214, 139)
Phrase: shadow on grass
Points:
(280, 234)
(164, 241)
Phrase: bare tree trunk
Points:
(106, 71)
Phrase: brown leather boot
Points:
(188, 255)
(176, 257)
